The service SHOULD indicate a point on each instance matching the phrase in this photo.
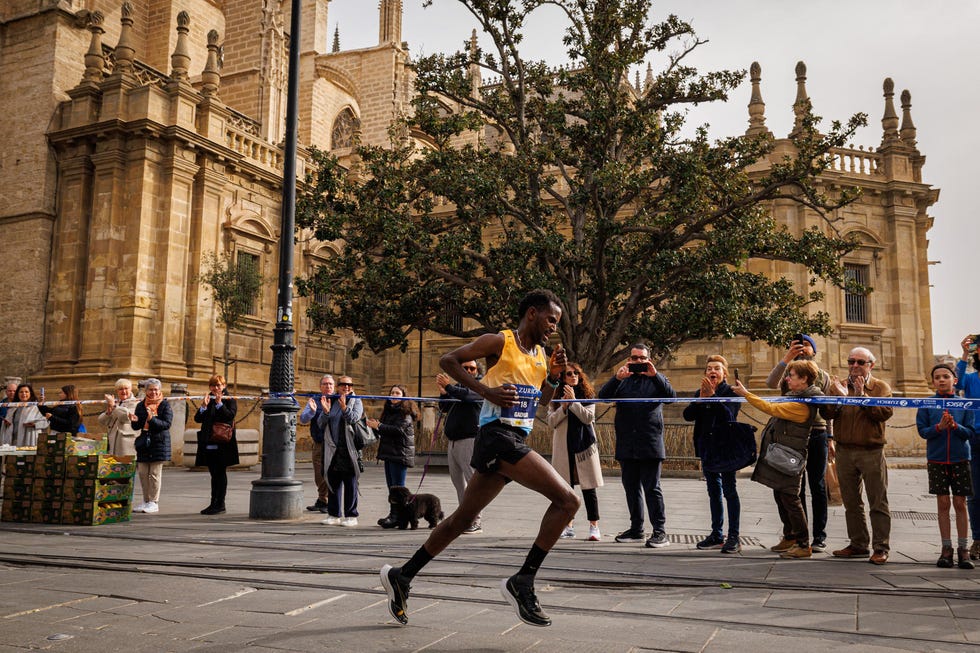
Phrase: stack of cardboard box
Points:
(69, 481)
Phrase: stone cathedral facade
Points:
(139, 136)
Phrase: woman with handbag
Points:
(574, 451)
(217, 447)
(782, 454)
(721, 458)
(151, 418)
(396, 442)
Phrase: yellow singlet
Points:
(527, 372)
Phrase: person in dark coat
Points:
(340, 446)
(461, 407)
(216, 456)
(710, 428)
(152, 418)
(640, 442)
(396, 442)
(65, 418)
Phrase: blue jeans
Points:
(395, 473)
(723, 483)
(973, 503)
(814, 476)
(641, 480)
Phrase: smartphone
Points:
(637, 368)
(799, 338)
(735, 372)
(972, 347)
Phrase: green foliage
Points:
(233, 287)
(600, 194)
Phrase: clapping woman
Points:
(115, 419)
(212, 452)
(152, 418)
(574, 452)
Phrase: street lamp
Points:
(276, 494)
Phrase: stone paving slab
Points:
(669, 599)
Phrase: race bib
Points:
(521, 414)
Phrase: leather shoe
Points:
(850, 551)
(319, 506)
(878, 557)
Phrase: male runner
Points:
(518, 372)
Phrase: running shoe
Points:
(331, 521)
(594, 535)
(519, 592)
(396, 587)
(658, 540)
(711, 542)
(151, 507)
(568, 533)
(629, 535)
(348, 521)
(731, 545)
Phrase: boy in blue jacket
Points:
(947, 433)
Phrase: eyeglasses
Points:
(571, 373)
(470, 368)
(346, 385)
(857, 361)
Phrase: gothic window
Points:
(856, 304)
(344, 127)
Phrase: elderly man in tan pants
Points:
(859, 432)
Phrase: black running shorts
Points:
(496, 443)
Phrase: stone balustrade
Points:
(853, 161)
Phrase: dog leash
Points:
(425, 468)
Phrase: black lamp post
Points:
(276, 494)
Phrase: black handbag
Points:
(732, 448)
(364, 435)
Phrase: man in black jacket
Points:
(640, 442)
(461, 426)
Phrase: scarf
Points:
(579, 436)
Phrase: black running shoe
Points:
(519, 592)
(396, 586)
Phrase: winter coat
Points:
(639, 426)
(340, 441)
(463, 415)
(153, 441)
(862, 426)
(396, 436)
(64, 419)
(208, 452)
(120, 431)
(794, 435)
(711, 421)
(946, 445)
(587, 464)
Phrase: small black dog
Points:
(409, 509)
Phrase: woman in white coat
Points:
(22, 423)
(574, 450)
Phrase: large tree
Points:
(577, 183)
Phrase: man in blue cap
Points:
(820, 447)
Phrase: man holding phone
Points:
(820, 448)
(640, 442)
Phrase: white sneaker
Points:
(594, 535)
(151, 506)
(331, 521)
(348, 521)
(568, 533)
(139, 507)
